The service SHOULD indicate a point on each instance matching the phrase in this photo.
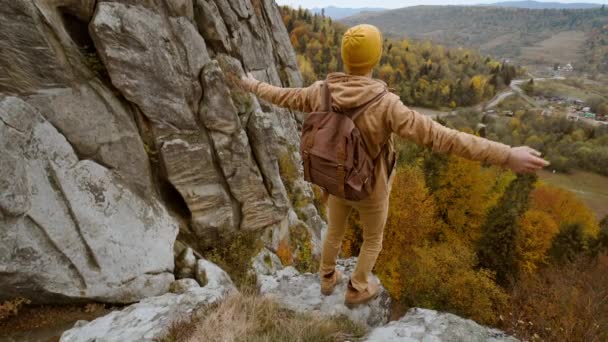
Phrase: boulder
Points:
(302, 293)
(211, 276)
(150, 319)
(74, 230)
(430, 325)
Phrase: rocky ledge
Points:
(151, 318)
(432, 326)
(302, 293)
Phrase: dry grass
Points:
(257, 319)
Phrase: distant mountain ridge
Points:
(343, 12)
(535, 36)
(543, 5)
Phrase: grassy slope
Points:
(589, 187)
(577, 88)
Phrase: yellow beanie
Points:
(361, 48)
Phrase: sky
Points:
(393, 3)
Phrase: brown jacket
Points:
(382, 118)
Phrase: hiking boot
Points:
(353, 297)
(329, 282)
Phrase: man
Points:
(384, 115)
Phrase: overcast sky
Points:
(393, 3)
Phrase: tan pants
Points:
(372, 212)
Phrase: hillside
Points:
(501, 32)
(422, 74)
(543, 5)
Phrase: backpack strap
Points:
(326, 103)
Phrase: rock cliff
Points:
(120, 127)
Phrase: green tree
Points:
(497, 247)
(569, 243)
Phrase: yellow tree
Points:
(410, 221)
(536, 232)
(306, 70)
(478, 84)
(462, 197)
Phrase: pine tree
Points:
(569, 243)
(497, 247)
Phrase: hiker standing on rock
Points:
(347, 148)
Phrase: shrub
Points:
(234, 255)
(285, 253)
(301, 243)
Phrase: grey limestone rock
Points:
(150, 319)
(432, 326)
(76, 230)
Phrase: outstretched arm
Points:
(421, 129)
(292, 98)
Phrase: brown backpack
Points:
(333, 151)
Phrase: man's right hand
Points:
(524, 159)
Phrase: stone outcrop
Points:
(120, 121)
(70, 229)
(150, 319)
(302, 293)
(430, 325)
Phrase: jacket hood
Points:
(351, 91)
